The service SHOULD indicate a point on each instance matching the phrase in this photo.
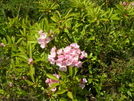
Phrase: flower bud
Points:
(10, 84)
(124, 4)
(2, 44)
(30, 60)
(66, 27)
(23, 77)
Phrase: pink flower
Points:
(132, 3)
(124, 4)
(69, 61)
(59, 51)
(51, 81)
(74, 45)
(68, 56)
(67, 49)
(83, 55)
(52, 56)
(2, 44)
(60, 57)
(83, 81)
(42, 34)
(63, 68)
(43, 40)
(59, 63)
(23, 77)
(52, 60)
(78, 64)
(30, 60)
(53, 52)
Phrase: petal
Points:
(42, 45)
(63, 68)
(79, 64)
(47, 80)
(74, 45)
(82, 86)
(84, 80)
(47, 40)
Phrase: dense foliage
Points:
(66, 50)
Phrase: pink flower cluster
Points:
(83, 81)
(69, 56)
(51, 81)
(43, 39)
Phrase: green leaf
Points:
(61, 91)
(90, 55)
(29, 82)
(2, 91)
(52, 77)
(69, 94)
(32, 72)
(55, 18)
(40, 59)
(110, 13)
(9, 40)
(32, 41)
(19, 40)
(90, 80)
(92, 38)
(75, 71)
(4, 41)
(62, 74)
(30, 50)
(63, 99)
(46, 26)
(13, 39)
(22, 56)
(70, 71)
(114, 17)
(53, 85)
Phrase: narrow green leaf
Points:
(22, 56)
(9, 40)
(32, 72)
(110, 13)
(70, 71)
(13, 39)
(52, 77)
(30, 50)
(29, 82)
(75, 71)
(53, 85)
(19, 40)
(61, 91)
(32, 41)
(46, 26)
